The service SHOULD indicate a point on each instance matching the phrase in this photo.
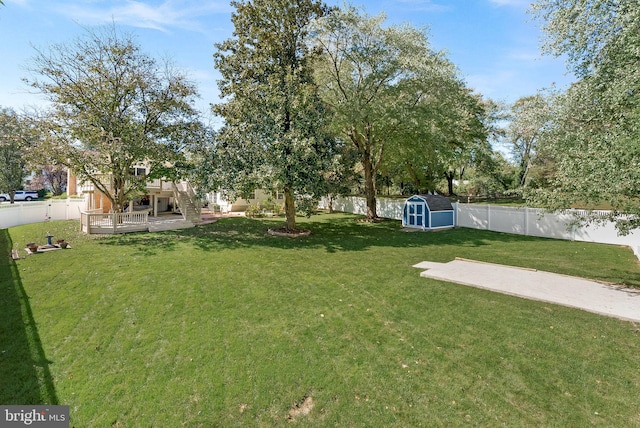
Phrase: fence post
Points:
(455, 213)
(114, 219)
(526, 221)
(488, 217)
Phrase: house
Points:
(158, 197)
(428, 212)
(219, 203)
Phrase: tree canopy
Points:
(530, 117)
(274, 135)
(389, 94)
(113, 107)
(595, 135)
(13, 152)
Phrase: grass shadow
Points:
(334, 233)
(25, 377)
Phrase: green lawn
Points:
(223, 325)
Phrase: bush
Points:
(306, 205)
(253, 210)
(272, 206)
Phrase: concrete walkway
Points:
(592, 296)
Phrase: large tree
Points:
(273, 136)
(113, 107)
(530, 116)
(51, 177)
(470, 122)
(595, 137)
(386, 88)
(13, 152)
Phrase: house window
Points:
(138, 171)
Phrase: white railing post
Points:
(455, 214)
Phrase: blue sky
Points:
(494, 43)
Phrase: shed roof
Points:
(437, 202)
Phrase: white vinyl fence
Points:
(38, 211)
(521, 221)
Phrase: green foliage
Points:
(274, 135)
(113, 107)
(306, 205)
(530, 118)
(394, 100)
(271, 205)
(13, 150)
(595, 137)
(268, 207)
(253, 210)
(597, 36)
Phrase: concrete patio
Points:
(600, 298)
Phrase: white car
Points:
(21, 195)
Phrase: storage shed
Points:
(428, 212)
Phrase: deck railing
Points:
(105, 179)
(114, 222)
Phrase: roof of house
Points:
(437, 202)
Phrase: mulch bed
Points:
(288, 233)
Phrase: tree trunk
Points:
(369, 188)
(524, 172)
(118, 202)
(450, 175)
(289, 209)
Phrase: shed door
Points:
(416, 214)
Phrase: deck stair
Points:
(189, 204)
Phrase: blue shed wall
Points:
(442, 219)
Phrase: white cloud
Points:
(164, 16)
(494, 83)
(424, 5)
(513, 3)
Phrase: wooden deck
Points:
(100, 223)
(93, 222)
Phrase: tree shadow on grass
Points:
(346, 233)
(25, 377)
(333, 233)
